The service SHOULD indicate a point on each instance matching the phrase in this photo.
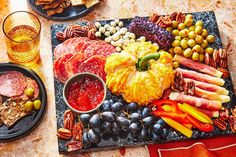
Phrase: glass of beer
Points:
(22, 35)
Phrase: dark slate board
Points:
(211, 25)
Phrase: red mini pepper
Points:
(201, 126)
(176, 116)
(160, 103)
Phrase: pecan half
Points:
(178, 84)
(232, 123)
(212, 62)
(180, 17)
(216, 56)
(68, 120)
(154, 18)
(74, 145)
(189, 88)
(223, 63)
(64, 134)
(233, 111)
(207, 59)
(60, 36)
(91, 34)
(220, 123)
(173, 16)
(68, 32)
(224, 114)
(222, 54)
(164, 22)
(77, 132)
(166, 93)
(225, 73)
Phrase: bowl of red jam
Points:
(84, 92)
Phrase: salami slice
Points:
(12, 83)
(69, 46)
(73, 63)
(33, 84)
(102, 49)
(60, 71)
(95, 65)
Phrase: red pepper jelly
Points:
(85, 94)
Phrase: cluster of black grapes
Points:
(115, 118)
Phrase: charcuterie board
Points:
(125, 138)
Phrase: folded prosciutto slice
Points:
(211, 95)
(197, 66)
(201, 77)
(196, 101)
(209, 87)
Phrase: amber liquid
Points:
(24, 46)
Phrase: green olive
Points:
(204, 33)
(189, 16)
(37, 104)
(178, 50)
(201, 57)
(178, 38)
(171, 50)
(176, 65)
(184, 43)
(196, 48)
(191, 42)
(210, 38)
(204, 44)
(29, 92)
(198, 29)
(209, 50)
(176, 43)
(192, 35)
(188, 22)
(199, 23)
(187, 52)
(169, 29)
(183, 33)
(175, 24)
(199, 39)
(191, 28)
(201, 50)
(181, 26)
(175, 32)
(29, 106)
(195, 56)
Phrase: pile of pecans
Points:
(166, 21)
(71, 130)
(226, 117)
(77, 31)
(218, 59)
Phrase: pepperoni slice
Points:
(60, 71)
(95, 65)
(12, 83)
(99, 48)
(73, 63)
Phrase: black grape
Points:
(108, 116)
(95, 121)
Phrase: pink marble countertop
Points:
(43, 140)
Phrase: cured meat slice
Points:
(197, 66)
(209, 87)
(69, 46)
(1, 122)
(12, 83)
(102, 49)
(195, 101)
(60, 71)
(80, 45)
(211, 95)
(201, 77)
(80, 48)
(12, 111)
(73, 63)
(209, 112)
(95, 65)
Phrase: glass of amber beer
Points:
(22, 35)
